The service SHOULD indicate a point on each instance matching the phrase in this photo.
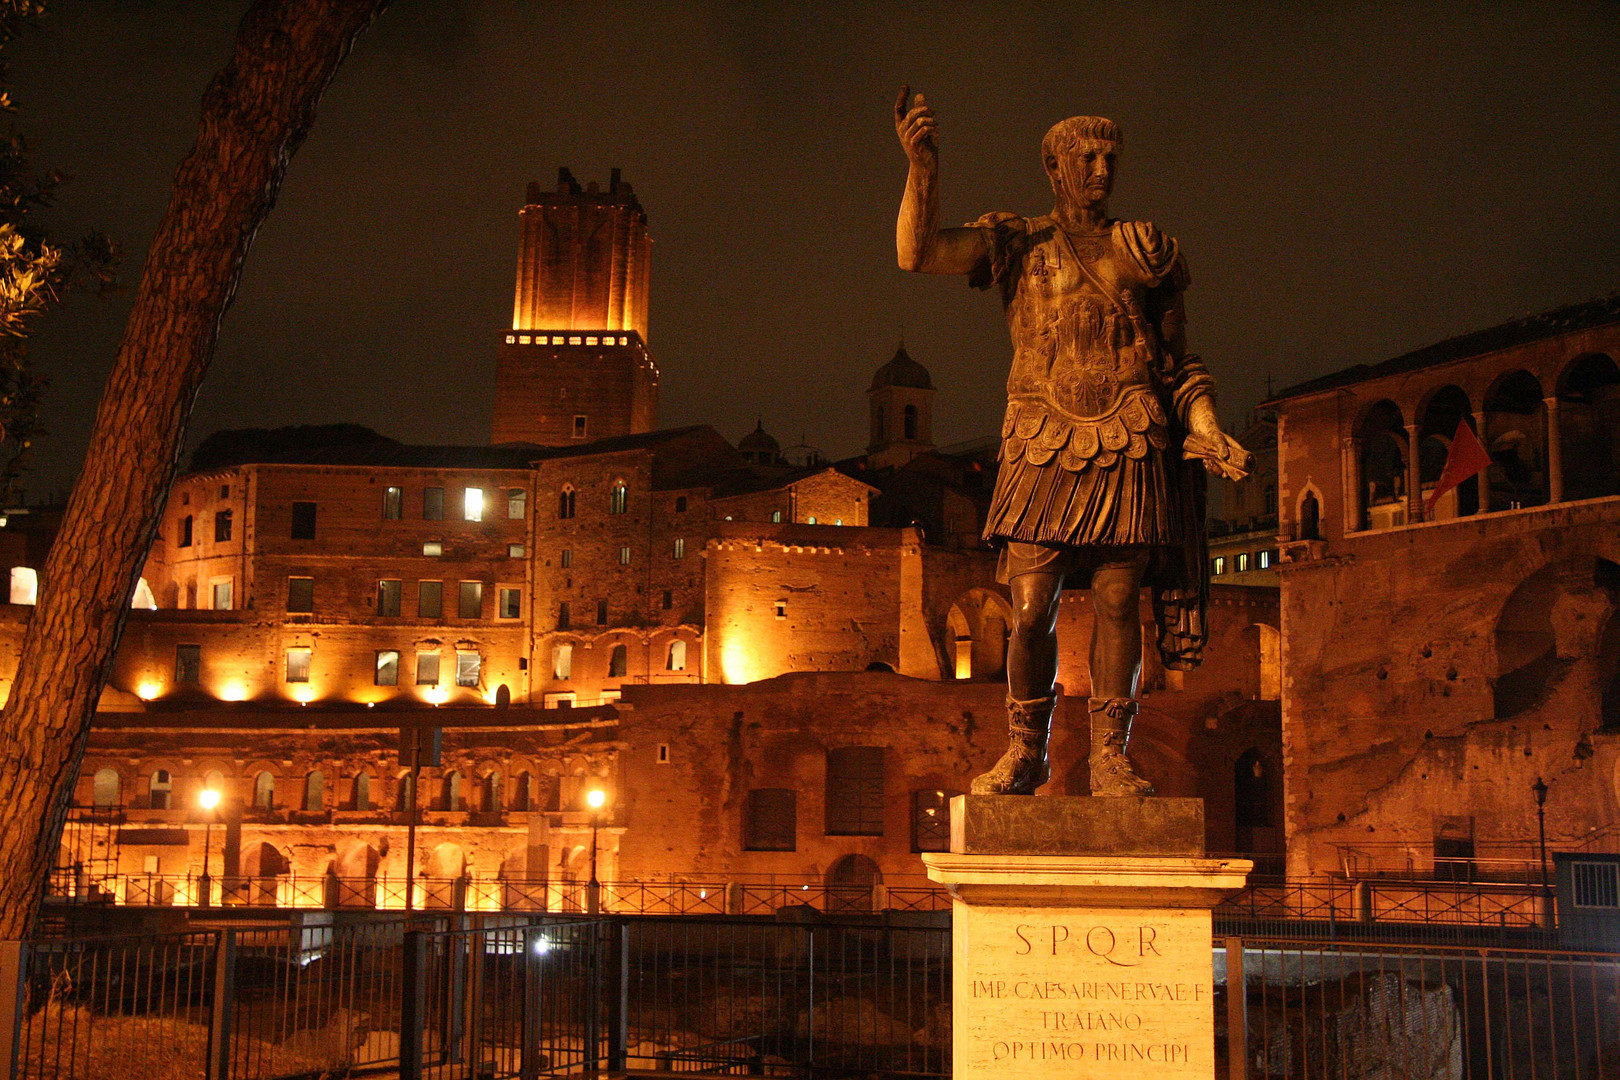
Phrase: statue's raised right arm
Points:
(922, 246)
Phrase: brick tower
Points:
(574, 366)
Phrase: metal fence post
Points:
(618, 996)
(413, 1004)
(594, 977)
(455, 984)
(533, 1021)
(219, 1028)
(1237, 1013)
(13, 998)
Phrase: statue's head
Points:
(1080, 155)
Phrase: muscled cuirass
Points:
(1083, 384)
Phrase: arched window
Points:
(264, 792)
(565, 502)
(1383, 467)
(143, 597)
(523, 792)
(1437, 427)
(492, 793)
(362, 791)
(562, 660)
(405, 791)
(676, 660)
(1310, 517)
(1515, 437)
(450, 798)
(618, 662)
(911, 421)
(159, 789)
(315, 791)
(619, 498)
(1589, 428)
(106, 789)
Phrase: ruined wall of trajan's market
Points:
(1437, 664)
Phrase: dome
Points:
(758, 445)
(901, 371)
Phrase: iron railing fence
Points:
(1325, 1011)
(520, 996)
(1414, 912)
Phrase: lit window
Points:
(433, 548)
(776, 517)
(680, 547)
(471, 605)
(811, 520)
(388, 593)
(300, 594)
(523, 339)
(303, 521)
(222, 526)
(574, 339)
(469, 666)
(562, 661)
(188, 665)
(517, 503)
(624, 556)
(838, 521)
(515, 551)
(183, 539)
(427, 669)
(222, 595)
(393, 503)
(433, 504)
(676, 660)
(1242, 561)
(590, 340)
(24, 585)
(472, 504)
(429, 599)
(567, 558)
(619, 499)
(298, 665)
(1218, 565)
(579, 427)
(511, 603)
(556, 341)
(387, 667)
(511, 339)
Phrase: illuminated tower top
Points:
(584, 258)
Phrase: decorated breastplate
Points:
(1081, 389)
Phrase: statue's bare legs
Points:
(1116, 666)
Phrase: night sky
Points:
(1347, 182)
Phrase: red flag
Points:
(1465, 458)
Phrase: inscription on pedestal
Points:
(1078, 993)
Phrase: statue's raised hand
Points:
(915, 126)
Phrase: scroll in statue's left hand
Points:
(1221, 454)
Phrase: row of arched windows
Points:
(562, 659)
(489, 793)
(1545, 445)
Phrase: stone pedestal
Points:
(1081, 937)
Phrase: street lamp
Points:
(1540, 789)
(595, 798)
(208, 799)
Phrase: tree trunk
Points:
(255, 115)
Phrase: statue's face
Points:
(1085, 175)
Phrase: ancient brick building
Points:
(1438, 662)
(727, 640)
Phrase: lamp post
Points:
(595, 798)
(208, 799)
(1540, 790)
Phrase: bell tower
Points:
(574, 366)
(901, 405)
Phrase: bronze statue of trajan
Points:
(1102, 396)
